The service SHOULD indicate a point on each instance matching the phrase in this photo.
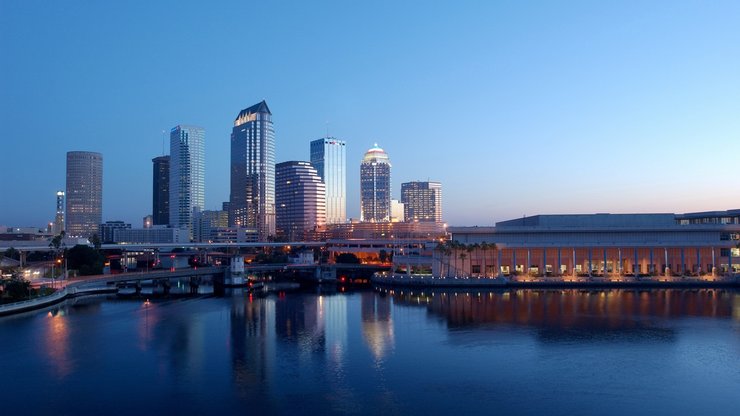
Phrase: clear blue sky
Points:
(517, 107)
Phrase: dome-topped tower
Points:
(375, 186)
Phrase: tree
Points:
(95, 241)
(12, 253)
(86, 259)
(383, 256)
(347, 258)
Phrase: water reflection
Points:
(377, 325)
(612, 308)
(56, 343)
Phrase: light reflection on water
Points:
(383, 351)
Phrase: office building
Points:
(422, 201)
(158, 234)
(397, 214)
(252, 201)
(84, 194)
(187, 175)
(161, 190)
(375, 186)
(58, 225)
(108, 228)
(328, 156)
(300, 201)
(207, 222)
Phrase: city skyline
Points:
(557, 108)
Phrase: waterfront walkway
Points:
(532, 282)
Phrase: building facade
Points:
(300, 198)
(422, 201)
(187, 175)
(159, 234)
(375, 186)
(84, 194)
(607, 246)
(161, 190)
(59, 217)
(108, 228)
(328, 156)
(252, 201)
(207, 222)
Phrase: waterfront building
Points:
(397, 211)
(328, 156)
(58, 225)
(158, 234)
(148, 221)
(108, 228)
(84, 194)
(187, 175)
(606, 246)
(161, 190)
(207, 222)
(252, 201)
(422, 201)
(375, 186)
(300, 201)
(386, 230)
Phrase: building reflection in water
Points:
(56, 343)
(252, 346)
(377, 324)
(562, 311)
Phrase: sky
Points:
(516, 107)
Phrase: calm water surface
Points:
(569, 352)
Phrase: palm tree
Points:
(485, 247)
(470, 249)
(497, 270)
(462, 257)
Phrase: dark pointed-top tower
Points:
(252, 202)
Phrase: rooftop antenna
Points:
(327, 129)
(163, 132)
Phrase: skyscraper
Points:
(375, 186)
(84, 194)
(300, 200)
(187, 175)
(422, 201)
(161, 190)
(328, 156)
(59, 217)
(252, 203)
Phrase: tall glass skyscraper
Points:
(375, 186)
(187, 175)
(252, 203)
(161, 190)
(328, 156)
(84, 193)
(300, 200)
(422, 201)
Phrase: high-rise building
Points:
(375, 186)
(252, 203)
(300, 200)
(187, 175)
(84, 194)
(161, 190)
(422, 201)
(59, 217)
(328, 156)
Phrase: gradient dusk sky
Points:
(517, 107)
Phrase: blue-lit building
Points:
(187, 175)
(328, 156)
(252, 200)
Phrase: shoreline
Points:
(503, 283)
